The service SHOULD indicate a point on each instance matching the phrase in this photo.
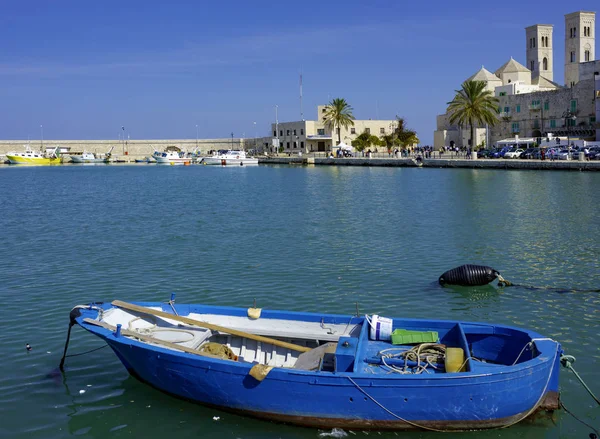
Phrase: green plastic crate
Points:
(404, 336)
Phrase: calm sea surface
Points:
(298, 238)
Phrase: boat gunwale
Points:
(545, 346)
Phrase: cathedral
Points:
(531, 103)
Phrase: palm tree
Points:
(338, 114)
(473, 104)
(405, 136)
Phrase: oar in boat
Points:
(145, 310)
(150, 339)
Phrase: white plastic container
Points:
(381, 328)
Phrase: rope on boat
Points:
(392, 413)
(75, 312)
(567, 361)
(562, 405)
(533, 408)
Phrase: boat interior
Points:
(333, 343)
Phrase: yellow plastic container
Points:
(455, 360)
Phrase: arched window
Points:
(545, 64)
(587, 55)
(532, 65)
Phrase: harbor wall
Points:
(134, 148)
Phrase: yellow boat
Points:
(30, 157)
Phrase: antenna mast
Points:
(301, 110)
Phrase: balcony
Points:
(535, 107)
(505, 115)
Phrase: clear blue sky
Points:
(83, 69)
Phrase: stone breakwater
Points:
(566, 165)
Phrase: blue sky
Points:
(83, 69)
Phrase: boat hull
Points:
(171, 161)
(491, 396)
(81, 160)
(216, 161)
(18, 160)
(336, 401)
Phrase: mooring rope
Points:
(567, 361)
(562, 405)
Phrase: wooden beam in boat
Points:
(150, 339)
(145, 310)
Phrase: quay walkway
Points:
(568, 165)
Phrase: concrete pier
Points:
(567, 165)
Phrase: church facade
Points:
(531, 104)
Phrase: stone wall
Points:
(133, 148)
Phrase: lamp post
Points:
(570, 119)
(232, 140)
(196, 137)
(276, 148)
(255, 136)
(42, 137)
(123, 139)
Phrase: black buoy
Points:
(469, 275)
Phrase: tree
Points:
(338, 114)
(365, 140)
(473, 104)
(400, 135)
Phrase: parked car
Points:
(513, 153)
(531, 153)
(592, 153)
(563, 154)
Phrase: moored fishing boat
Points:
(231, 157)
(90, 157)
(327, 371)
(171, 157)
(31, 157)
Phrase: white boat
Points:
(90, 157)
(171, 157)
(31, 157)
(232, 157)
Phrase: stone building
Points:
(530, 103)
(314, 136)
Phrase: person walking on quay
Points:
(543, 154)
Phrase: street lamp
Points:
(276, 130)
(123, 139)
(232, 140)
(196, 137)
(42, 136)
(255, 136)
(570, 119)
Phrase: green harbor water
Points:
(299, 238)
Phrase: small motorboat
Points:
(328, 370)
(90, 157)
(232, 157)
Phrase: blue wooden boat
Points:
(326, 371)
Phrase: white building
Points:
(313, 135)
(530, 103)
